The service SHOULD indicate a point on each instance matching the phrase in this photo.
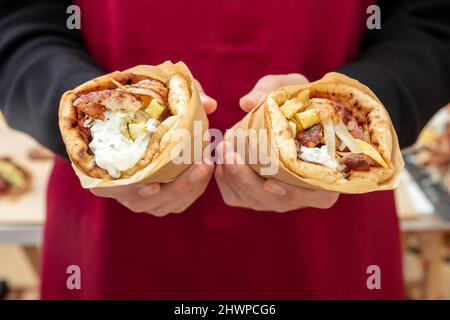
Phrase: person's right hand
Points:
(160, 199)
(173, 197)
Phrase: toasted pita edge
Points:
(355, 94)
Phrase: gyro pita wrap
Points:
(124, 127)
(332, 134)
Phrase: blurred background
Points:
(423, 208)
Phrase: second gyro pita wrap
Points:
(332, 134)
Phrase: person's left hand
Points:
(173, 197)
(240, 186)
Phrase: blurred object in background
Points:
(435, 127)
(25, 166)
(428, 162)
(22, 217)
(3, 290)
(40, 153)
(434, 148)
(14, 179)
(423, 207)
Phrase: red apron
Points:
(211, 250)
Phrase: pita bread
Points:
(176, 101)
(353, 95)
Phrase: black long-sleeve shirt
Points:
(406, 63)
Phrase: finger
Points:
(221, 151)
(176, 206)
(245, 199)
(229, 196)
(197, 176)
(246, 183)
(198, 190)
(182, 204)
(149, 190)
(249, 183)
(267, 84)
(231, 193)
(296, 196)
(249, 198)
(120, 192)
(209, 103)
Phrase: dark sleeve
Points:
(407, 62)
(40, 58)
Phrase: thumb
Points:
(209, 103)
(267, 84)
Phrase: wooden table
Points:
(418, 221)
(21, 220)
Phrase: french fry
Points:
(307, 118)
(155, 109)
(293, 127)
(280, 96)
(303, 96)
(290, 108)
(136, 129)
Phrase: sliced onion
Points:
(324, 111)
(342, 146)
(118, 84)
(357, 145)
(345, 136)
(329, 135)
(135, 90)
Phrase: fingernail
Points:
(274, 188)
(197, 174)
(230, 163)
(255, 96)
(207, 99)
(220, 152)
(149, 190)
(226, 150)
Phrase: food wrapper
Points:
(163, 169)
(265, 150)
